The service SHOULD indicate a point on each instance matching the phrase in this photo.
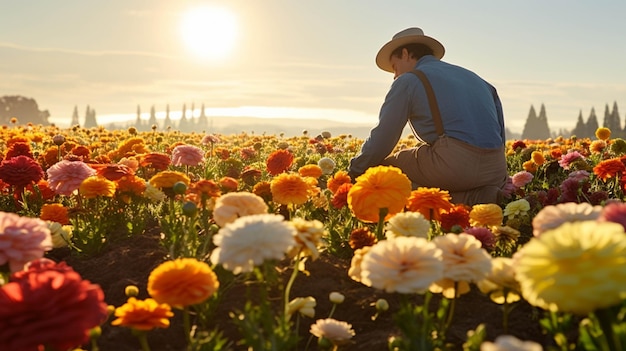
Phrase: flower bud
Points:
(382, 305)
(58, 139)
(190, 209)
(336, 297)
(179, 188)
(131, 291)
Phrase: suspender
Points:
(432, 101)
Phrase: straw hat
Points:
(407, 36)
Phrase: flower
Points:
(327, 165)
(279, 161)
(458, 216)
(187, 155)
(303, 305)
(338, 179)
(521, 178)
(210, 139)
(406, 265)
(228, 184)
(577, 267)
(361, 237)
(64, 177)
(597, 146)
(354, 271)
(340, 197)
(153, 194)
(486, 215)
(143, 314)
(603, 133)
(379, 187)
(264, 190)
(567, 159)
(249, 241)
(337, 332)
(289, 188)
(96, 186)
(516, 208)
(131, 185)
(464, 262)
(500, 284)
(610, 168)
(431, 202)
(50, 305)
(407, 224)
(537, 157)
(336, 297)
(614, 212)
(55, 212)
(20, 171)
(112, 171)
(158, 161)
(310, 171)
(530, 166)
(308, 237)
(510, 343)
(553, 216)
(59, 234)
(167, 179)
(22, 239)
(231, 206)
(182, 282)
(486, 237)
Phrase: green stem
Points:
(606, 323)
(450, 310)
(382, 213)
(292, 278)
(143, 339)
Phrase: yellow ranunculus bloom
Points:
(143, 314)
(486, 215)
(167, 179)
(603, 133)
(95, 186)
(182, 282)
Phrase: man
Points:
(465, 153)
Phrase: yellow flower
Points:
(167, 179)
(308, 237)
(61, 234)
(95, 186)
(231, 206)
(538, 158)
(290, 188)
(310, 171)
(304, 305)
(603, 133)
(379, 187)
(516, 208)
(143, 314)
(530, 166)
(577, 267)
(182, 282)
(486, 215)
(500, 283)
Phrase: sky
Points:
(304, 59)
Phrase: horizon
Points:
(278, 55)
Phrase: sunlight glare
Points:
(209, 32)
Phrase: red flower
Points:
(609, 169)
(156, 160)
(340, 198)
(279, 161)
(19, 149)
(49, 305)
(113, 171)
(457, 215)
(20, 171)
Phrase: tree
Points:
(203, 121)
(183, 124)
(90, 118)
(75, 121)
(591, 125)
(152, 121)
(167, 123)
(24, 109)
(536, 127)
(581, 128)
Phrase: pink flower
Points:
(22, 239)
(48, 305)
(484, 235)
(614, 212)
(570, 157)
(187, 155)
(66, 176)
(210, 139)
(522, 178)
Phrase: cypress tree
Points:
(75, 121)
(591, 125)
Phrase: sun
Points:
(209, 32)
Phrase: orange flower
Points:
(538, 158)
(610, 168)
(289, 188)
(129, 147)
(131, 184)
(597, 146)
(530, 166)
(379, 187)
(205, 188)
(156, 160)
(182, 282)
(361, 237)
(456, 216)
(310, 170)
(430, 202)
(264, 190)
(95, 186)
(486, 215)
(279, 161)
(112, 171)
(167, 179)
(143, 314)
(340, 197)
(55, 212)
(228, 184)
(341, 177)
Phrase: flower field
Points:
(161, 240)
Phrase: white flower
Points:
(61, 234)
(231, 206)
(510, 343)
(553, 216)
(516, 208)
(308, 237)
(500, 283)
(303, 305)
(338, 332)
(405, 265)
(407, 224)
(327, 165)
(336, 297)
(464, 261)
(354, 271)
(249, 241)
(153, 194)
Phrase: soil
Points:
(130, 261)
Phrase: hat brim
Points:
(384, 54)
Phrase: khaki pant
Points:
(471, 174)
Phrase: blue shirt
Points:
(470, 109)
